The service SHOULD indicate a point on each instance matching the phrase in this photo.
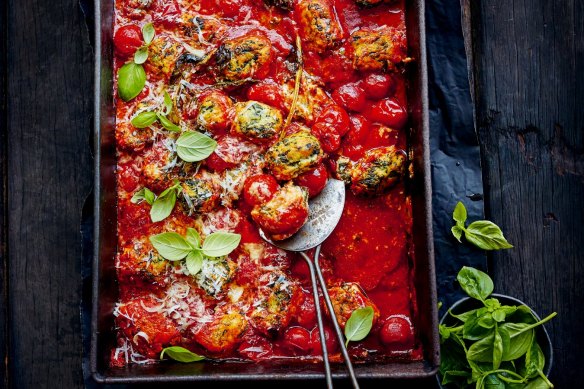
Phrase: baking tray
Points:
(104, 288)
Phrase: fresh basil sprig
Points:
(181, 354)
(482, 233)
(491, 346)
(174, 247)
(147, 118)
(359, 324)
(194, 146)
(132, 76)
(162, 205)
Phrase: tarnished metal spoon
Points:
(325, 211)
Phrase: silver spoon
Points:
(324, 215)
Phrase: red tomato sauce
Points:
(255, 304)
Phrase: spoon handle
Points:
(327, 366)
(338, 331)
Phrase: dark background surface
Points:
(529, 87)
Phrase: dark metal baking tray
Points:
(104, 275)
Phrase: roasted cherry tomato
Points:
(377, 86)
(168, 13)
(128, 39)
(330, 338)
(336, 117)
(307, 312)
(351, 96)
(297, 339)
(314, 180)
(389, 112)
(359, 130)
(129, 177)
(218, 164)
(329, 138)
(259, 189)
(397, 332)
(255, 348)
(267, 93)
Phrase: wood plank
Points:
(530, 87)
(49, 176)
(3, 199)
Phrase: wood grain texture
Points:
(49, 162)
(3, 199)
(529, 58)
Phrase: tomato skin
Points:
(128, 39)
(350, 96)
(129, 177)
(297, 339)
(217, 164)
(314, 180)
(255, 348)
(389, 112)
(168, 13)
(359, 131)
(330, 339)
(329, 138)
(267, 93)
(377, 86)
(259, 189)
(397, 332)
(336, 117)
(307, 312)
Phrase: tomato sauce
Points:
(255, 304)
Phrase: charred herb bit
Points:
(481, 233)
(491, 346)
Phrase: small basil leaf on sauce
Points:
(193, 237)
(486, 235)
(143, 194)
(163, 205)
(141, 55)
(170, 126)
(131, 80)
(167, 103)
(171, 246)
(359, 324)
(194, 262)
(219, 244)
(180, 354)
(148, 33)
(194, 146)
(144, 119)
(475, 283)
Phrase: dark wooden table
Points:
(529, 88)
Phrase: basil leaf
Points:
(486, 235)
(167, 103)
(163, 205)
(170, 126)
(538, 383)
(131, 80)
(193, 237)
(459, 215)
(148, 33)
(520, 338)
(194, 262)
(487, 321)
(497, 349)
(463, 317)
(144, 119)
(181, 354)
(534, 361)
(472, 329)
(457, 232)
(171, 246)
(143, 194)
(492, 381)
(475, 283)
(454, 377)
(482, 350)
(194, 146)
(141, 55)
(219, 244)
(359, 324)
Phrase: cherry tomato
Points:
(336, 117)
(354, 152)
(350, 96)
(314, 180)
(259, 189)
(377, 86)
(128, 177)
(218, 164)
(382, 136)
(397, 331)
(359, 131)
(307, 313)
(168, 13)
(267, 93)
(297, 339)
(329, 138)
(255, 348)
(330, 338)
(128, 39)
(389, 112)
